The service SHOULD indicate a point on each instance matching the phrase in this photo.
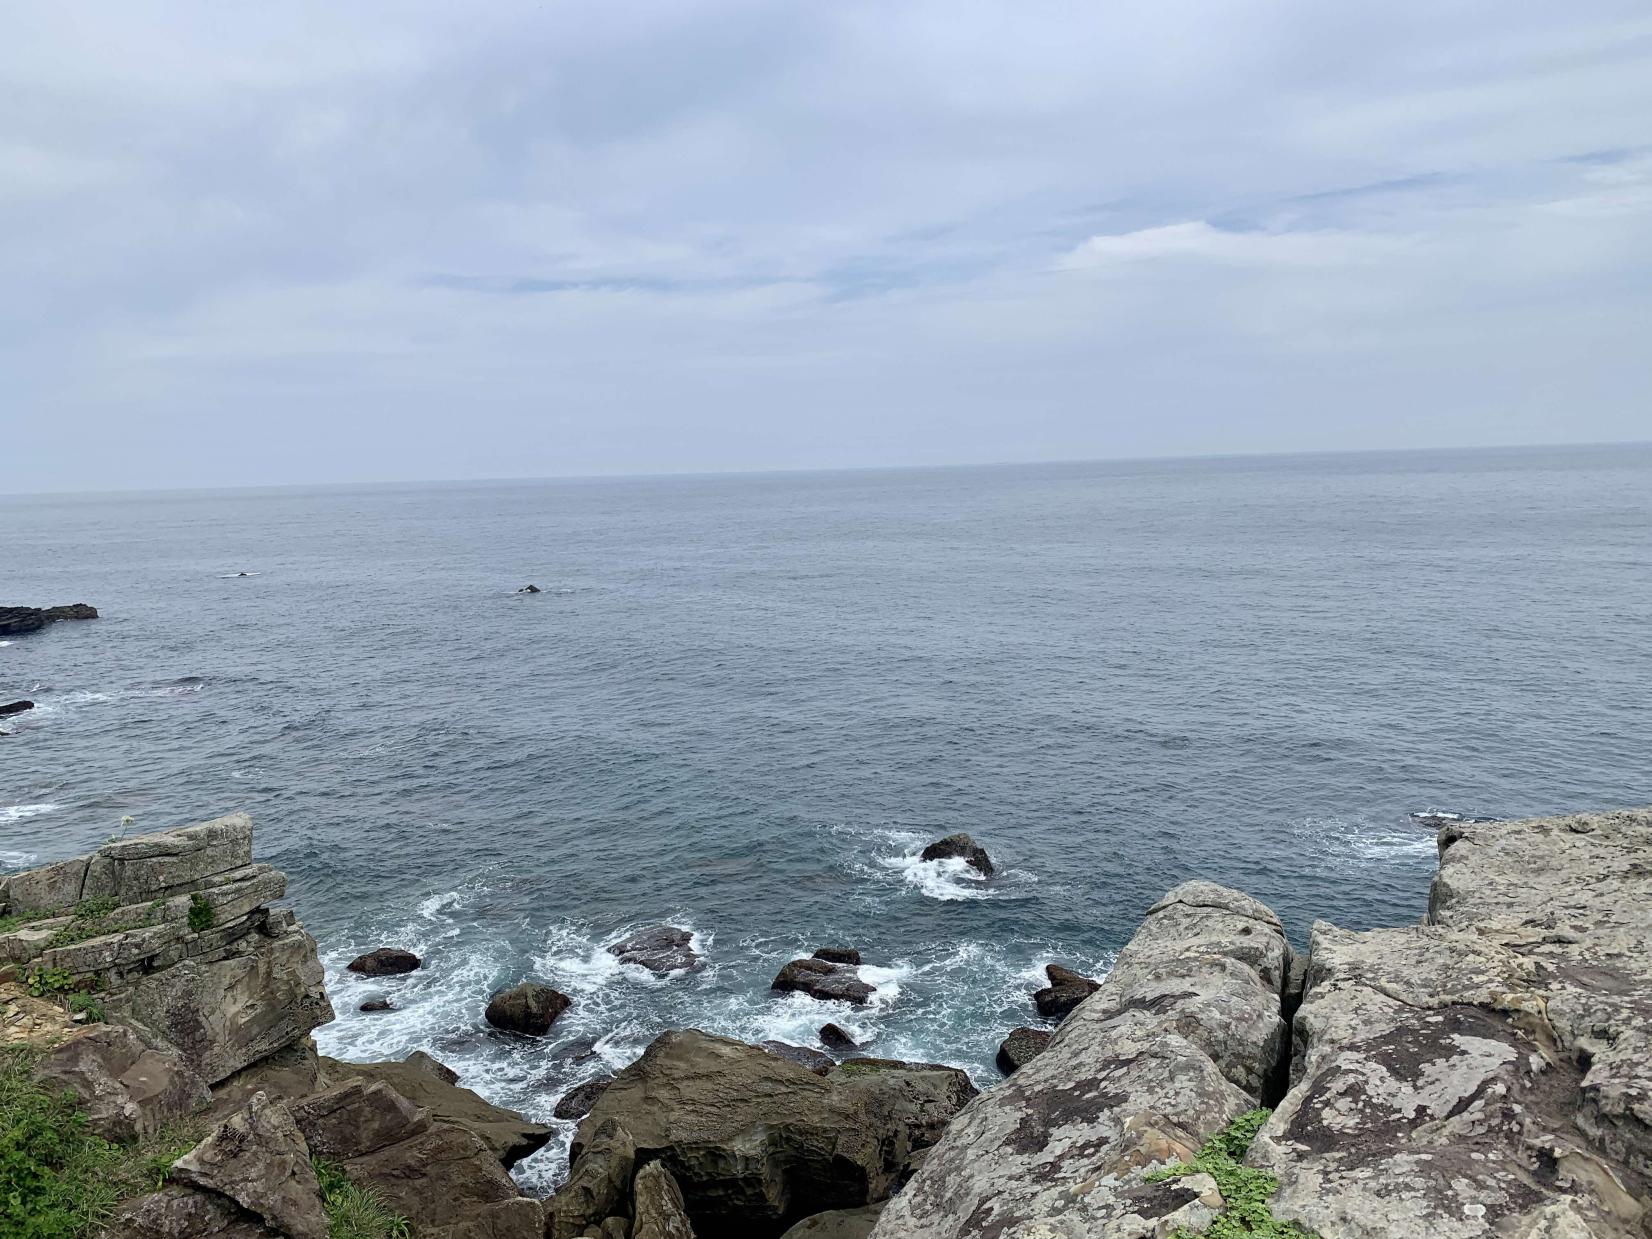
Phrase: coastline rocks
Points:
(125, 1089)
(384, 961)
(15, 621)
(180, 1213)
(1063, 994)
(576, 1103)
(15, 707)
(258, 1159)
(659, 948)
(527, 1007)
(835, 1038)
(839, 955)
(959, 847)
(826, 981)
(1021, 1047)
(802, 1055)
(838, 1224)
(1139, 1075)
(658, 1205)
(754, 1142)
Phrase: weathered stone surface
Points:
(183, 1213)
(292, 1072)
(756, 1142)
(439, 1175)
(527, 1007)
(384, 961)
(838, 1224)
(505, 1219)
(161, 865)
(804, 1056)
(657, 1209)
(1021, 1047)
(1488, 1073)
(355, 1119)
(959, 847)
(576, 1103)
(1138, 1076)
(124, 1089)
(823, 980)
(48, 889)
(923, 1097)
(431, 1085)
(839, 955)
(258, 1159)
(659, 948)
(599, 1183)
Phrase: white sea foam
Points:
(17, 812)
(15, 860)
(1358, 841)
(949, 879)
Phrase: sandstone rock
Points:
(521, 1218)
(355, 1119)
(660, 948)
(959, 847)
(1021, 1047)
(1138, 1076)
(923, 1097)
(168, 863)
(835, 1038)
(1065, 991)
(838, 1224)
(290, 1073)
(431, 1085)
(124, 1089)
(839, 955)
(527, 1007)
(182, 1213)
(576, 1103)
(599, 1183)
(802, 1055)
(258, 1159)
(826, 981)
(658, 1206)
(384, 961)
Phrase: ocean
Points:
(742, 704)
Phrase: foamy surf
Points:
(18, 812)
(10, 860)
(950, 879)
(1359, 841)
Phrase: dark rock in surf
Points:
(529, 1008)
(386, 961)
(1066, 990)
(825, 981)
(838, 955)
(376, 1004)
(15, 621)
(959, 847)
(579, 1050)
(802, 1055)
(15, 707)
(529, 589)
(576, 1103)
(834, 1038)
(74, 611)
(659, 948)
(1021, 1047)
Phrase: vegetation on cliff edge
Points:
(1245, 1190)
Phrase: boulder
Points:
(659, 948)
(182, 1213)
(657, 1207)
(925, 1096)
(576, 1103)
(15, 707)
(756, 1142)
(429, 1084)
(838, 1224)
(1021, 1047)
(520, 1218)
(527, 1007)
(1066, 990)
(802, 1055)
(357, 1118)
(959, 847)
(258, 1159)
(125, 1089)
(598, 1184)
(1138, 1076)
(529, 589)
(376, 1004)
(384, 961)
(835, 1038)
(839, 955)
(826, 981)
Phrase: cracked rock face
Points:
(1488, 1073)
(1164, 1053)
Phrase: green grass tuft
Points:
(201, 915)
(1245, 1190)
(356, 1212)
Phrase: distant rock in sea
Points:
(14, 621)
(959, 847)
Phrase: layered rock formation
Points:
(17, 620)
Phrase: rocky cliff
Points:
(1486, 1072)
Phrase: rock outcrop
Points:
(527, 1007)
(659, 948)
(1065, 991)
(959, 847)
(14, 621)
(1021, 1047)
(829, 982)
(15, 707)
(125, 1089)
(384, 961)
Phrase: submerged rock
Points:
(959, 847)
(1065, 991)
(529, 589)
(376, 1004)
(826, 981)
(384, 961)
(659, 948)
(528, 1007)
(1021, 1047)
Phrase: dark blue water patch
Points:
(743, 704)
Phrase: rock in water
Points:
(15, 621)
(660, 948)
(258, 1159)
(529, 589)
(385, 961)
(658, 1207)
(376, 1004)
(15, 707)
(576, 1103)
(1021, 1047)
(74, 611)
(529, 1008)
(834, 1038)
(959, 847)
(825, 981)
(839, 955)
(1066, 990)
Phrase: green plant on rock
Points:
(85, 1004)
(48, 982)
(356, 1212)
(201, 915)
(1245, 1190)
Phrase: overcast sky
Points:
(370, 241)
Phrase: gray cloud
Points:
(402, 240)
